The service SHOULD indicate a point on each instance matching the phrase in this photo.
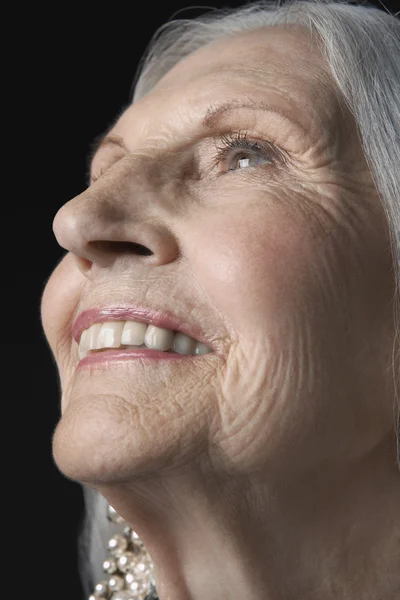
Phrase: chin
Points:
(105, 444)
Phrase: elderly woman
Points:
(225, 321)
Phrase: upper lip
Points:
(164, 319)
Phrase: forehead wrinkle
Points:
(215, 113)
(264, 61)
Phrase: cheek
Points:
(250, 263)
(292, 284)
(58, 305)
(254, 266)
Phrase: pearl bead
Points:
(129, 578)
(126, 561)
(109, 566)
(101, 589)
(116, 583)
(117, 544)
(142, 568)
(127, 531)
(124, 595)
(113, 516)
(134, 539)
(138, 588)
(99, 596)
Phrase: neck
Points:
(307, 537)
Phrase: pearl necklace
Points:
(128, 567)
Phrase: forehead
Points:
(279, 64)
(270, 51)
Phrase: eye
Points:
(236, 152)
(242, 161)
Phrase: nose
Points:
(119, 215)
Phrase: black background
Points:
(71, 75)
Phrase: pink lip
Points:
(112, 355)
(123, 313)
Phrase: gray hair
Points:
(361, 45)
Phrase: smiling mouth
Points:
(131, 335)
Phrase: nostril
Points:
(84, 265)
(120, 247)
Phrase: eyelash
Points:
(239, 140)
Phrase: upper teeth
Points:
(114, 334)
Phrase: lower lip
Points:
(106, 356)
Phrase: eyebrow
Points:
(216, 113)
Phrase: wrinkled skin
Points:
(285, 267)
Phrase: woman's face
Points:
(235, 199)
